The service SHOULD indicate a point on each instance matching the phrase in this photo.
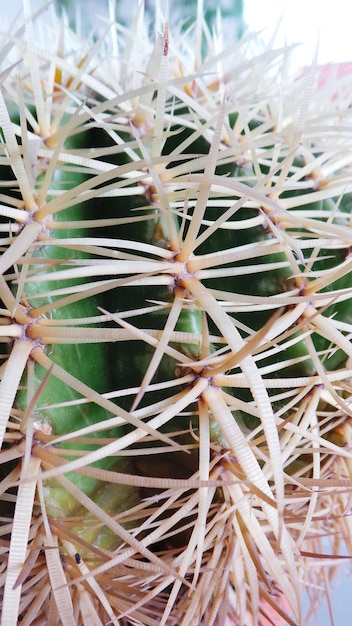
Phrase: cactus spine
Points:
(175, 287)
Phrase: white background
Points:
(309, 22)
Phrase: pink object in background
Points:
(268, 616)
(273, 618)
(333, 72)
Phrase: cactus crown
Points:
(175, 287)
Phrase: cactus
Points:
(175, 290)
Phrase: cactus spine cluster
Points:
(175, 303)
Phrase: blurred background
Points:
(316, 25)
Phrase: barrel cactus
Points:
(175, 295)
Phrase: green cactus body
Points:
(86, 361)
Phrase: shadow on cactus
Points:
(175, 300)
